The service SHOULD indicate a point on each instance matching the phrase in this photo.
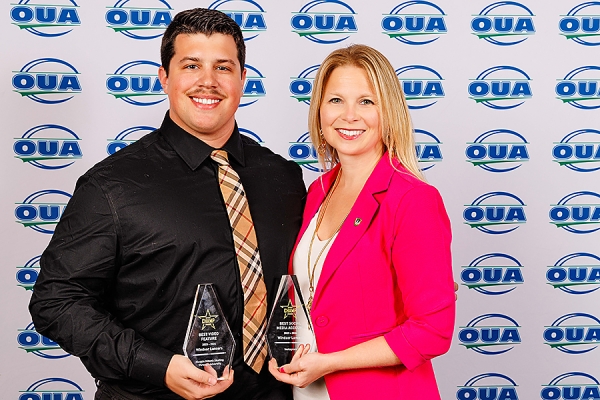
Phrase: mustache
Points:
(200, 92)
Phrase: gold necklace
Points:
(311, 271)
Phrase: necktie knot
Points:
(220, 156)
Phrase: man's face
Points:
(204, 85)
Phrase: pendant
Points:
(309, 304)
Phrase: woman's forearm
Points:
(370, 354)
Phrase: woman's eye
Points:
(367, 101)
(335, 100)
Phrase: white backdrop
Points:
(499, 94)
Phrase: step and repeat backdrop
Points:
(505, 98)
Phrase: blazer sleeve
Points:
(422, 261)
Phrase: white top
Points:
(316, 390)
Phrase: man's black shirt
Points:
(144, 227)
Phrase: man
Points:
(147, 225)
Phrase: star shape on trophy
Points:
(208, 320)
(289, 310)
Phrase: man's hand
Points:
(193, 383)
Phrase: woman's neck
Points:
(357, 170)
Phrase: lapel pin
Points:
(357, 221)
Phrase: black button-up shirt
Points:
(144, 227)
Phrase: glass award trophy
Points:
(289, 324)
(208, 339)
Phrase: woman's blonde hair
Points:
(395, 122)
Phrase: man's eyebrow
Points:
(218, 61)
(225, 61)
(189, 58)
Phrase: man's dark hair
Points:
(205, 21)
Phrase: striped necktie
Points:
(248, 257)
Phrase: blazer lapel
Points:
(356, 224)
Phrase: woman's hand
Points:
(304, 368)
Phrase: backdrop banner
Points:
(505, 99)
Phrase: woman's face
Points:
(350, 114)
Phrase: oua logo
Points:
(580, 88)
(41, 210)
(501, 87)
(47, 81)
(577, 212)
(248, 14)
(301, 86)
(32, 342)
(504, 23)
(495, 213)
(45, 18)
(579, 151)
(27, 274)
(488, 386)
(136, 83)
(422, 86)
(52, 388)
(574, 333)
(415, 23)
(582, 24)
(138, 22)
(572, 386)
(575, 273)
(325, 21)
(493, 274)
(48, 146)
(498, 150)
(427, 146)
(304, 154)
(490, 334)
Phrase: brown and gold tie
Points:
(248, 257)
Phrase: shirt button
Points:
(322, 321)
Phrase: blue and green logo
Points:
(138, 22)
(45, 20)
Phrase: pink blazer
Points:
(388, 273)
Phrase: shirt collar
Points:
(193, 150)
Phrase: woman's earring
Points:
(322, 143)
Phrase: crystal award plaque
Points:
(208, 339)
(289, 324)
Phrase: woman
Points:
(373, 254)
